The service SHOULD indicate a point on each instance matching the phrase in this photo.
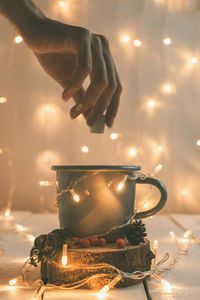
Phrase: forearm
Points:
(20, 13)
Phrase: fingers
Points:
(84, 66)
(112, 108)
(104, 100)
(77, 99)
(103, 93)
(98, 80)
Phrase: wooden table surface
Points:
(184, 276)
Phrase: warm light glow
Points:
(64, 255)
(48, 108)
(146, 205)
(167, 41)
(61, 3)
(47, 183)
(187, 234)
(85, 149)
(44, 183)
(157, 168)
(125, 38)
(194, 60)
(151, 103)
(30, 237)
(103, 292)
(19, 227)
(132, 151)
(13, 281)
(75, 196)
(198, 143)
(46, 159)
(3, 100)
(155, 244)
(18, 39)
(7, 212)
(184, 192)
(166, 286)
(137, 43)
(121, 184)
(114, 136)
(172, 235)
(160, 148)
(168, 88)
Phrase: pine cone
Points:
(135, 232)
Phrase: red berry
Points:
(120, 243)
(102, 242)
(75, 241)
(85, 243)
(94, 241)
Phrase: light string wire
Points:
(191, 236)
(85, 177)
(137, 275)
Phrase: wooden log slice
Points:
(129, 259)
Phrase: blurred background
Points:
(156, 48)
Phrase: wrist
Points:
(22, 14)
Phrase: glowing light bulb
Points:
(61, 3)
(114, 136)
(158, 168)
(125, 38)
(44, 183)
(121, 184)
(151, 103)
(18, 39)
(102, 294)
(30, 237)
(48, 108)
(13, 281)
(194, 60)
(64, 255)
(85, 149)
(167, 41)
(7, 212)
(187, 233)
(137, 43)
(3, 100)
(168, 88)
(47, 183)
(172, 234)
(184, 192)
(155, 244)
(132, 152)
(198, 142)
(19, 227)
(160, 148)
(75, 195)
(166, 286)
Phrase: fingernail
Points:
(109, 122)
(75, 111)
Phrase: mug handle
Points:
(161, 203)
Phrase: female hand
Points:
(69, 54)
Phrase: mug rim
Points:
(91, 168)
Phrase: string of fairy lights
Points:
(151, 104)
(162, 266)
